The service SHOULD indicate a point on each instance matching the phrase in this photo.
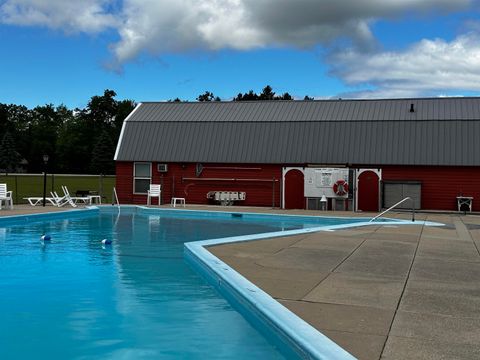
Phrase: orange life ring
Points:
(340, 187)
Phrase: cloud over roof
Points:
(159, 27)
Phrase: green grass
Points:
(32, 185)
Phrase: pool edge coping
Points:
(46, 215)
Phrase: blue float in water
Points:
(45, 238)
(106, 242)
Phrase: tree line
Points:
(78, 141)
(266, 94)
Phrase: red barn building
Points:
(427, 149)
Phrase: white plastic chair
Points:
(5, 196)
(154, 191)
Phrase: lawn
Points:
(28, 185)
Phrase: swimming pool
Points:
(138, 298)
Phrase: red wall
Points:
(124, 182)
(256, 180)
(440, 185)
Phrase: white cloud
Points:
(430, 67)
(90, 16)
(164, 26)
(161, 26)
(158, 27)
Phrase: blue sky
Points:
(64, 52)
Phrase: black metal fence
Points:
(30, 185)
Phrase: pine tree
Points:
(102, 155)
(9, 157)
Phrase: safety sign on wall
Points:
(331, 182)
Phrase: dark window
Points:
(142, 176)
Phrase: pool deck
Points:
(380, 292)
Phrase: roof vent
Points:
(412, 108)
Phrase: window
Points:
(142, 176)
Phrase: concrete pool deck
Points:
(380, 292)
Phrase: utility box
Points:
(394, 191)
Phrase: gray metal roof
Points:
(441, 131)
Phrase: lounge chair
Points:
(85, 199)
(5, 196)
(154, 191)
(37, 200)
(62, 201)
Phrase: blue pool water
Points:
(136, 299)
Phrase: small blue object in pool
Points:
(106, 242)
(45, 238)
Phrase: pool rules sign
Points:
(324, 181)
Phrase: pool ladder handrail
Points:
(115, 197)
(393, 206)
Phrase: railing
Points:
(393, 206)
(115, 198)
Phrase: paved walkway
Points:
(406, 292)
(27, 209)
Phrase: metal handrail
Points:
(115, 197)
(398, 203)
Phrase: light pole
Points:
(45, 161)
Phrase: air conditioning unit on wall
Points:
(163, 168)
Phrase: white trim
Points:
(358, 172)
(120, 138)
(285, 170)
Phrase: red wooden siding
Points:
(181, 181)
(124, 182)
(440, 185)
